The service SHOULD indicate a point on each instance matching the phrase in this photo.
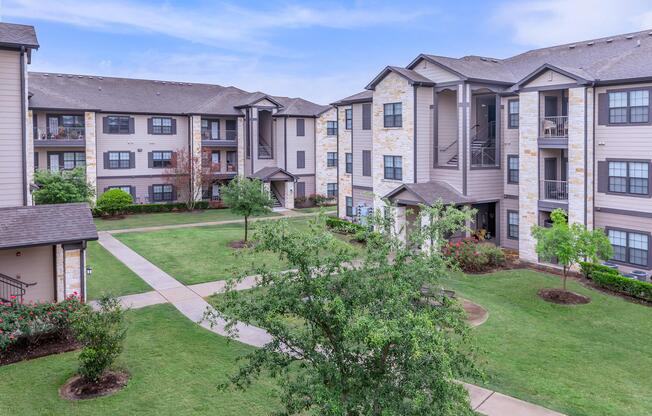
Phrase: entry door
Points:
(54, 162)
(550, 106)
(550, 169)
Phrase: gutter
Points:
(23, 120)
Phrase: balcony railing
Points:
(223, 168)
(447, 155)
(264, 151)
(230, 135)
(554, 126)
(554, 190)
(61, 133)
(483, 156)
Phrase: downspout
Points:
(586, 155)
(337, 149)
(593, 161)
(414, 151)
(464, 140)
(23, 119)
(285, 143)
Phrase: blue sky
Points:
(321, 50)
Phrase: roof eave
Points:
(545, 67)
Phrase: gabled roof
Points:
(427, 193)
(39, 225)
(413, 77)
(577, 74)
(15, 36)
(255, 97)
(361, 97)
(266, 173)
(298, 107)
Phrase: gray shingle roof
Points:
(13, 35)
(299, 107)
(361, 97)
(431, 192)
(267, 172)
(45, 224)
(413, 77)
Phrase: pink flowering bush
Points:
(474, 257)
(29, 321)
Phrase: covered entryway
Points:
(280, 184)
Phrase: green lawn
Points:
(175, 367)
(328, 209)
(169, 218)
(201, 254)
(591, 360)
(110, 276)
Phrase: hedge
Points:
(589, 268)
(149, 208)
(343, 226)
(618, 283)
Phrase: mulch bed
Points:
(46, 345)
(563, 297)
(238, 244)
(78, 388)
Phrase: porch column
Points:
(241, 146)
(70, 272)
(425, 220)
(580, 156)
(91, 150)
(289, 195)
(400, 222)
(30, 151)
(528, 188)
(195, 154)
(60, 273)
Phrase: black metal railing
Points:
(11, 289)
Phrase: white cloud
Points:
(550, 22)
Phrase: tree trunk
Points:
(564, 278)
(246, 218)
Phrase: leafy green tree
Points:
(62, 187)
(568, 244)
(246, 197)
(355, 337)
(114, 201)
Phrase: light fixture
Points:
(89, 270)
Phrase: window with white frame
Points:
(630, 247)
(125, 188)
(118, 124)
(161, 125)
(119, 160)
(73, 160)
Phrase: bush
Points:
(102, 334)
(320, 200)
(474, 257)
(62, 187)
(589, 268)
(341, 226)
(618, 283)
(151, 208)
(28, 322)
(114, 202)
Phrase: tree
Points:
(246, 197)
(114, 201)
(62, 187)
(569, 244)
(354, 338)
(180, 174)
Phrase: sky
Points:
(318, 50)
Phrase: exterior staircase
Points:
(276, 203)
(11, 289)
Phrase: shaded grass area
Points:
(175, 367)
(202, 254)
(110, 275)
(326, 209)
(588, 360)
(169, 218)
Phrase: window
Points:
(393, 116)
(161, 159)
(393, 167)
(629, 107)
(118, 125)
(366, 163)
(125, 188)
(215, 160)
(348, 118)
(512, 114)
(162, 193)
(630, 247)
(331, 128)
(301, 127)
(512, 169)
(366, 116)
(331, 159)
(161, 125)
(73, 160)
(301, 159)
(301, 190)
(35, 161)
(210, 129)
(231, 129)
(349, 206)
(331, 190)
(629, 178)
(512, 225)
(349, 162)
(119, 160)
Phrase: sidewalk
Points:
(189, 300)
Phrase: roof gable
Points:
(548, 74)
(413, 77)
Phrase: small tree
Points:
(114, 201)
(570, 244)
(62, 187)
(102, 335)
(180, 174)
(246, 197)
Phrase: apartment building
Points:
(567, 126)
(126, 133)
(42, 248)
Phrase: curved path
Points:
(189, 300)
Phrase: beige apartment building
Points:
(567, 127)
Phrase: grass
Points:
(202, 254)
(175, 368)
(330, 208)
(587, 360)
(110, 276)
(169, 218)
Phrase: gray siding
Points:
(141, 184)
(509, 145)
(424, 133)
(299, 143)
(11, 168)
(362, 140)
(605, 220)
(507, 205)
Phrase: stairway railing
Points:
(11, 289)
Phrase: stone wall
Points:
(577, 163)
(241, 144)
(73, 264)
(324, 144)
(91, 150)
(345, 180)
(195, 151)
(528, 187)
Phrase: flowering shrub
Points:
(29, 321)
(474, 257)
(321, 200)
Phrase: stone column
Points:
(241, 145)
(30, 154)
(195, 152)
(400, 222)
(528, 187)
(289, 195)
(72, 272)
(580, 157)
(91, 150)
(60, 273)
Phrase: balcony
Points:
(60, 137)
(554, 127)
(215, 139)
(225, 170)
(483, 157)
(554, 190)
(264, 151)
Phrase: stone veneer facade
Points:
(528, 189)
(91, 149)
(345, 180)
(579, 158)
(324, 144)
(195, 144)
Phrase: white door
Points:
(216, 192)
(54, 163)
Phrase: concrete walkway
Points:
(189, 300)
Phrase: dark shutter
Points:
(150, 160)
(174, 126)
(132, 191)
(106, 160)
(150, 193)
(105, 125)
(649, 178)
(603, 109)
(301, 127)
(150, 126)
(174, 193)
(366, 163)
(603, 176)
(366, 116)
(301, 159)
(131, 125)
(132, 160)
(301, 189)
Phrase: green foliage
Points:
(353, 338)
(342, 226)
(570, 244)
(62, 187)
(102, 335)
(246, 197)
(153, 208)
(588, 268)
(29, 321)
(618, 283)
(474, 257)
(114, 202)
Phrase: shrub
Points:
(589, 268)
(320, 199)
(62, 187)
(152, 208)
(29, 321)
(341, 226)
(618, 283)
(474, 257)
(102, 334)
(114, 202)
